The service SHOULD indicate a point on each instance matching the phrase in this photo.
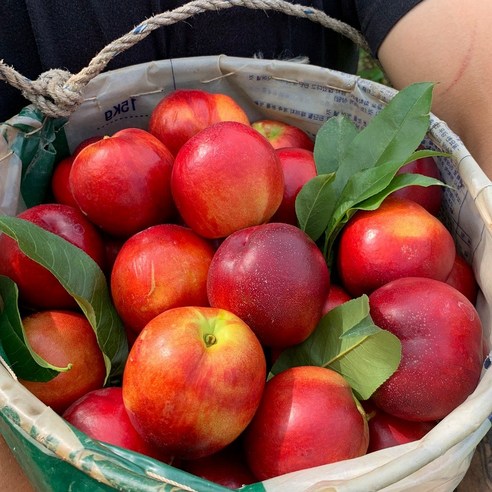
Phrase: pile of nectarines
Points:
(193, 222)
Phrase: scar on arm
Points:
(463, 65)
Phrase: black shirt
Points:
(38, 35)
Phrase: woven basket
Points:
(56, 457)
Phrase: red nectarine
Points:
(225, 178)
(275, 278)
(441, 337)
(398, 239)
(307, 417)
(62, 338)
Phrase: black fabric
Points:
(40, 35)
(375, 18)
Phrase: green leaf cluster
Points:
(82, 278)
(347, 341)
(357, 170)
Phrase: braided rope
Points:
(58, 93)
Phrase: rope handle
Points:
(57, 93)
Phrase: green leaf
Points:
(347, 341)
(378, 187)
(419, 154)
(27, 364)
(391, 136)
(361, 186)
(311, 203)
(82, 278)
(332, 141)
(364, 163)
(388, 141)
(398, 182)
(400, 127)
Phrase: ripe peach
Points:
(225, 178)
(38, 287)
(298, 167)
(430, 197)
(101, 415)
(60, 185)
(336, 296)
(462, 277)
(59, 182)
(122, 182)
(227, 467)
(386, 430)
(275, 278)
(193, 380)
(281, 134)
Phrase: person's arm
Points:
(448, 42)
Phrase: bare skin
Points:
(448, 42)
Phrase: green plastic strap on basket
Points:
(98, 467)
(37, 150)
(38, 142)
